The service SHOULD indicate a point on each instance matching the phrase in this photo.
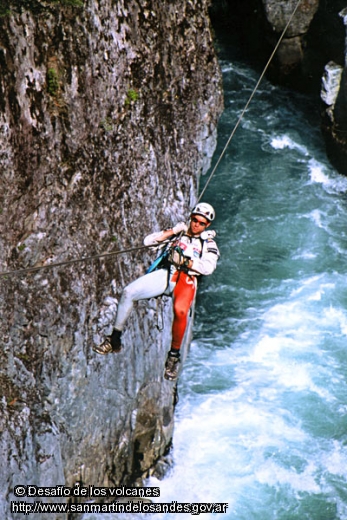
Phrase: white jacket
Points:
(202, 251)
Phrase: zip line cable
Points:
(116, 253)
(249, 100)
(75, 260)
(70, 262)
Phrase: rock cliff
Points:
(311, 58)
(108, 113)
(314, 52)
(334, 97)
(289, 58)
(258, 25)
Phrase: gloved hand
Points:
(178, 259)
(181, 226)
(208, 234)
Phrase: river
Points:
(261, 422)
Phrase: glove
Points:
(178, 259)
(181, 226)
(208, 234)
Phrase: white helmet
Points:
(205, 210)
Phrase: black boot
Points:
(116, 340)
(172, 365)
(110, 344)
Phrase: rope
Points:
(115, 253)
(76, 260)
(248, 102)
(70, 262)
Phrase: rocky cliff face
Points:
(311, 55)
(289, 58)
(314, 52)
(108, 116)
(334, 97)
(259, 24)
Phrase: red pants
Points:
(183, 297)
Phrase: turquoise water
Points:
(262, 418)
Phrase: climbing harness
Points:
(28, 270)
(160, 262)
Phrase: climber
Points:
(186, 253)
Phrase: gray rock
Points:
(334, 94)
(331, 83)
(278, 13)
(108, 118)
(290, 55)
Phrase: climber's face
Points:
(198, 224)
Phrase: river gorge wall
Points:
(311, 57)
(312, 54)
(108, 114)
